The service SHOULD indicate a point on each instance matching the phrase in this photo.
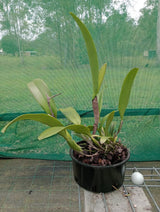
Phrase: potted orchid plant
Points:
(99, 158)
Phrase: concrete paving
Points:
(40, 185)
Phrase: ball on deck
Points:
(137, 178)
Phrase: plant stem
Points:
(119, 129)
(96, 114)
(48, 101)
(49, 105)
(55, 95)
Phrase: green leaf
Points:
(50, 121)
(102, 72)
(100, 100)
(70, 141)
(80, 129)
(40, 92)
(108, 119)
(125, 91)
(43, 118)
(92, 53)
(112, 128)
(108, 122)
(103, 139)
(71, 114)
(50, 132)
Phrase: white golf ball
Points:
(137, 178)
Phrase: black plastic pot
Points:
(99, 178)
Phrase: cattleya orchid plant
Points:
(101, 136)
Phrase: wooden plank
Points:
(93, 202)
(139, 199)
(117, 201)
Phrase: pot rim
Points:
(99, 167)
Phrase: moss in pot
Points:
(99, 159)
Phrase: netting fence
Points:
(40, 40)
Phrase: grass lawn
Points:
(73, 82)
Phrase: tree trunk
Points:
(158, 33)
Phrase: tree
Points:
(9, 44)
(147, 27)
(158, 33)
(21, 18)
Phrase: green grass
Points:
(73, 82)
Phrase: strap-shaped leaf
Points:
(125, 91)
(100, 100)
(103, 139)
(108, 119)
(51, 131)
(70, 141)
(80, 129)
(92, 53)
(108, 122)
(43, 118)
(50, 121)
(40, 92)
(102, 72)
(71, 114)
